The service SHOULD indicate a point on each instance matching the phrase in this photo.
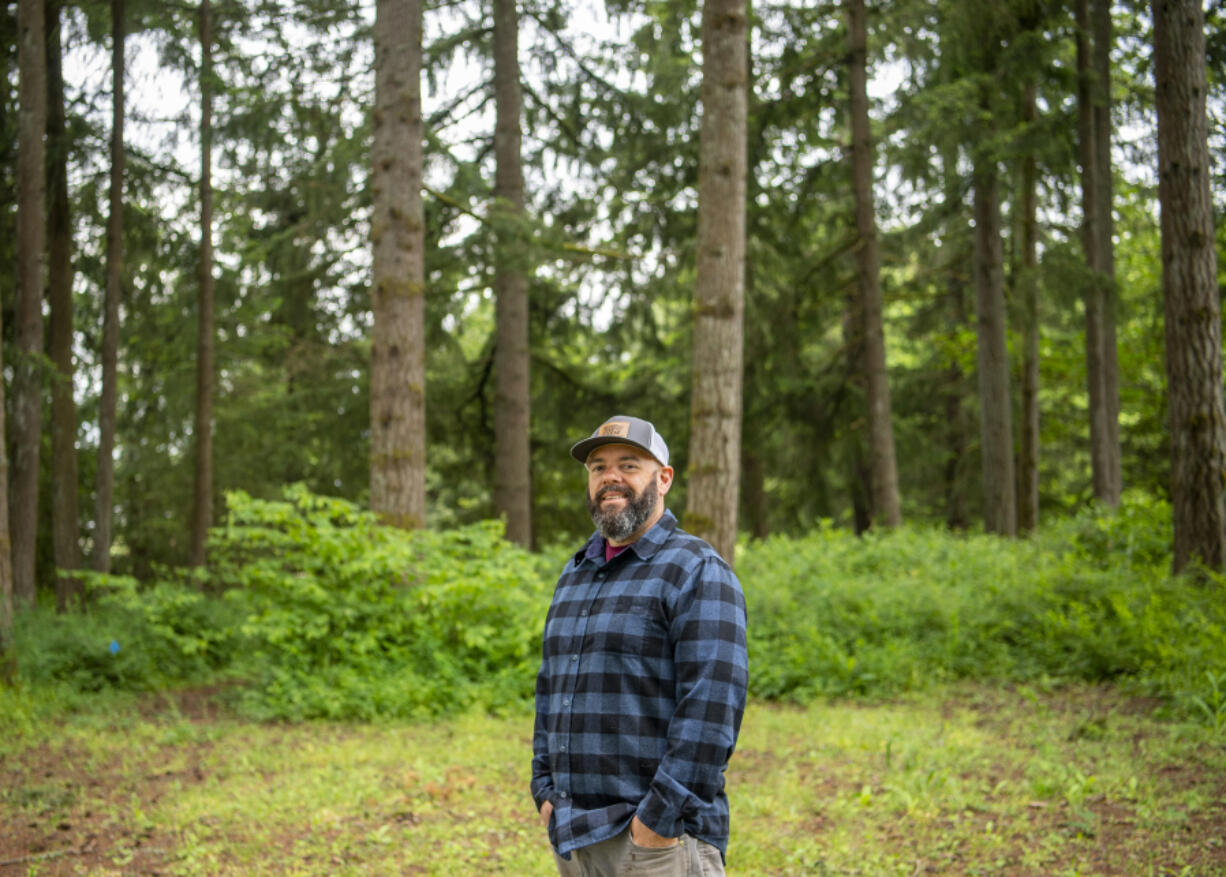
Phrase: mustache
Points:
(614, 489)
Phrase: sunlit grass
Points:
(967, 781)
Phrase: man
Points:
(643, 677)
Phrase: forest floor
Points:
(970, 780)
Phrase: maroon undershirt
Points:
(611, 551)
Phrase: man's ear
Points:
(665, 476)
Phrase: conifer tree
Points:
(397, 369)
(1094, 141)
(1028, 287)
(109, 355)
(7, 664)
(1189, 287)
(715, 403)
(202, 504)
(31, 258)
(883, 468)
(66, 551)
(995, 402)
(512, 399)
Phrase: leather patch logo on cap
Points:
(617, 428)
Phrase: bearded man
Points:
(643, 678)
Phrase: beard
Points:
(618, 525)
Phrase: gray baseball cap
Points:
(623, 430)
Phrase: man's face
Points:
(624, 487)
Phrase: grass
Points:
(968, 780)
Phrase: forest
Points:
(862, 264)
(303, 303)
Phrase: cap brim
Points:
(582, 450)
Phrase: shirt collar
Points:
(644, 546)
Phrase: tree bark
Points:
(398, 365)
(1189, 286)
(512, 398)
(715, 413)
(883, 467)
(959, 428)
(1104, 191)
(996, 420)
(7, 662)
(8, 669)
(64, 516)
(105, 491)
(1094, 151)
(755, 500)
(28, 315)
(202, 506)
(1028, 285)
(856, 471)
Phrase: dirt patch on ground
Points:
(68, 820)
(72, 812)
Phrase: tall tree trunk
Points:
(883, 466)
(957, 431)
(512, 398)
(1189, 286)
(1093, 100)
(31, 237)
(996, 420)
(105, 491)
(958, 426)
(202, 506)
(1028, 284)
(64, 517)
(719, 290)
(1104, 191)
(398, 363)
(855, 467)
(8, 668)
(755, 503)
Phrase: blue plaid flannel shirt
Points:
(641, 691)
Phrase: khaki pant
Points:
(621, 857)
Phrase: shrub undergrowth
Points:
(320, 612)
(1089, 598)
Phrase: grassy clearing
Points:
(969, 780)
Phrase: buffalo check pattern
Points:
(641, 691)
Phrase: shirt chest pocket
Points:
(625, 625)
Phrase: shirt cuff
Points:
(541, 792)
(659, 814)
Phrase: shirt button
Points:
(583, 614)
(566, 701)
(574, 657)
(562, 795)
(562, 748)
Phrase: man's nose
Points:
(611, 475)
